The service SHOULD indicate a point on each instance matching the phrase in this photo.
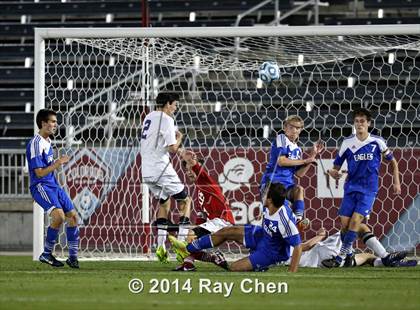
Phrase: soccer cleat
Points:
(220, 260)
(72, 262)
(49, 259)
(185, 267)
(162, 255)
(179, 247)
(392, 258)
(405, 263)
(332, 262)
(350, 261)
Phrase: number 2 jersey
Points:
(363, 162)
(158, 132)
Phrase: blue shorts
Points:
(51, 197)
(356, 202)
(253, 240)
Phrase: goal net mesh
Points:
(103, 88)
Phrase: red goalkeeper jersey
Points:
(210, 196)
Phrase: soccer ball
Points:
(269, 71)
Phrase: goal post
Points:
(103, 81)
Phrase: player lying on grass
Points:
(286, 162)
(363, 153)
(210, 199)
(269, 244)
(321, 247)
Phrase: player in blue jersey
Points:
(269, 244)
(363, 153)
(286, 162)
(46, 191)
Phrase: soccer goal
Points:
(102, 82)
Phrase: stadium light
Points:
(155, 83)
(111, 61)
(192, 16)
(309, 105)
(398, 105)
(109, 18)
(23, 19)
(340, 38)
(28, 62)
(391, 58)
(259, 83)
(218, 106)
(197, 62)
(7, 119)
(266, 131)
(300, 59)
(28, 107)
(350, 81)
(69, 84)
(380, 13)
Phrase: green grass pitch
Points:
(25, 284)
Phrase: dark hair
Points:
(277, 193)
(163, 98)
(362, 112)
(42, 116)
(199, 160)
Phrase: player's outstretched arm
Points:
(396, 177)
(294, 263)
(286, 162)
(335, 172)
(42, 172)
(309, 244)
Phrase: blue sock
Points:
(73, 240)
(50, 240)
(349, 238)
(342, 234)
(200, 244)
(298, 207)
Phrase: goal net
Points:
(102, 82)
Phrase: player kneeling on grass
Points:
(46, 191)
(210, 199)
(322, 247)
(269, 244)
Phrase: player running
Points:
(363, 153)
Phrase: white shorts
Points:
(165, 186)
(215, 224)
(323, 250)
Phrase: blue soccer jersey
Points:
(39, 154)
(275, 173)
(363, 162)
(270, 243)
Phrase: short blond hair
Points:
(293, 118)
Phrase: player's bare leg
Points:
(244, 264)
(184, 206)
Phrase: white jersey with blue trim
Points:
(280, 231)
(363, 162)
(274, 173)
(39, 154)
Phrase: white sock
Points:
(377, 248)
(162, 237)
(182, 233)
(377, 262)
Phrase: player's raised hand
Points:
(310, 160)
(178, 135)
(335, 174)
(318, 147)
(397, 189)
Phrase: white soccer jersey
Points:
(158, 132)
(323, 250)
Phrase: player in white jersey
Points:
(322, 247)
(159, 137)
(363, 153)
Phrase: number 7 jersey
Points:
(363, 162)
